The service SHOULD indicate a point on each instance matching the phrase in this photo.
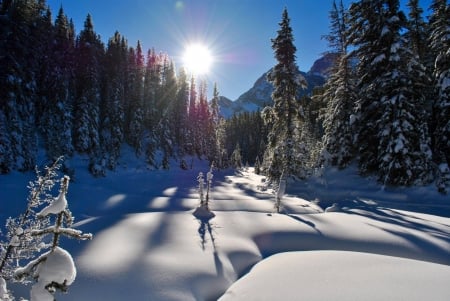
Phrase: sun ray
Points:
(197, 59)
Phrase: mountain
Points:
(322, 65)
(259, 95)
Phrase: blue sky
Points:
(238, 32)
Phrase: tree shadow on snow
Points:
(206, 230)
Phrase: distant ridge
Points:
(259, 96)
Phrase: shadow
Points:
(424, 246)
(404, 220)
(308, 223)
(204, 231)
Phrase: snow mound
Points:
(341, 275)
(203, 213)
(57, 270)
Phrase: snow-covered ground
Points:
(376, 244)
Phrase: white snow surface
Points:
(57, 206)
(3, 290)
(59, 268)
(340, 275)
(147, 245)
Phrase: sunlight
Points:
(197, 59)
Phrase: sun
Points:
(197, 59)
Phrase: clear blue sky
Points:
(237, 31)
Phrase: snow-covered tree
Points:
(440, 47)
(339, 94)
(236, 157)
(203, 211)
(18, 243)
(392, 137)
(89, 49)
(282, 153)
(55, 269)
(135, 99)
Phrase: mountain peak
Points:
(260, 95)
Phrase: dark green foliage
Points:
(284, 152)
(70, 93)
(249, 131)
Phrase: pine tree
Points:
(135, 94)
(339, 94)
(282, 151)
(112, 114)
(89, 51)
(166, 105)
(203, 130)
(151, 94)
(393, 140)
(217, 123)
(180, 112)
(440, 44)
(191, 142)
(18, 79)
(57, 119)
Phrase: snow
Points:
(378, 58)
(55, 207)
(57, 268)
(3, 290)
(391, 244)
(340, 275)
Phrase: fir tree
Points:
(135, 94)
(393, 140)
(217, 124)
(113, 115)
(282, 151)
(180, 112)
(440, 44)
(191, 143)
(339, 94)
(88, 77)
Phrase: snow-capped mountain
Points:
(259, 95)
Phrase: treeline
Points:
(385, 105)
(70, 94)
(388, 96)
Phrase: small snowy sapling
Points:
(203, 211)
(280, 193)
(55, 269)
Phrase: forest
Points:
(385, 104)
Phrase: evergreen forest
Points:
(385, 105)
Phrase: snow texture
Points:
(59, 268)
(3, 290)
(339, 275)
(391, 244)
(55, 207)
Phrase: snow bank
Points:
(338, 275)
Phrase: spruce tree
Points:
(135, 95)
(57, 119)
(112, 114)
(392, 136)
(339, 94)
(282, 154)
(89, 51)
(180, 112)
(217, 124)
(440, 44)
